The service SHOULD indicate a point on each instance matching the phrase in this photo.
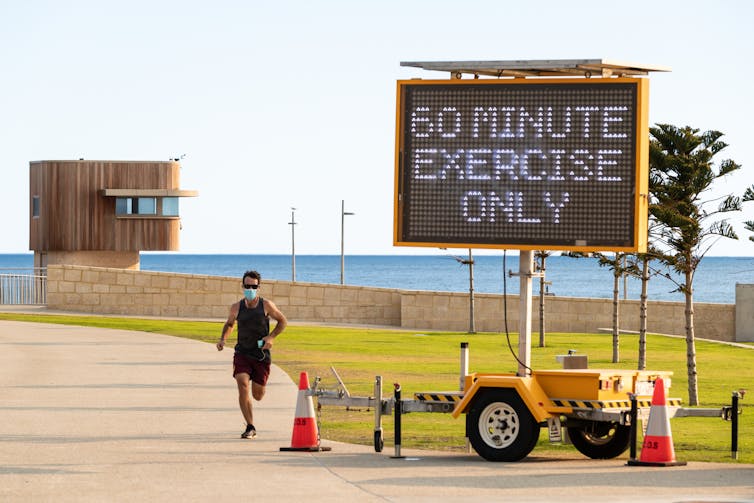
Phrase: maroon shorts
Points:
(258, 371)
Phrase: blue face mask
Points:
(250, 294)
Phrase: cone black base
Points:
(636, 462)
(306, 449)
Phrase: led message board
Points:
(558, 164)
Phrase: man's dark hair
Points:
(253, 275)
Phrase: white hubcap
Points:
(499, 425)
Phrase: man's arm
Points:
(228, 327)
(280, 319)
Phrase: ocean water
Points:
(715, 279)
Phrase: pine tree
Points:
(681, 172)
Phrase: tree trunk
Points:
(616, 315)
(690, 342)
(643, 314)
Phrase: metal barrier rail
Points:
(23, 289)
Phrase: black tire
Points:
(600, 440)
(379, 443)
(500, 426)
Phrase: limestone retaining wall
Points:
(147, 293)
(450, 311)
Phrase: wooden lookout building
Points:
(103, 213)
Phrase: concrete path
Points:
(91, 414)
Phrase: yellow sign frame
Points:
(641, 145)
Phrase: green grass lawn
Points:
(429, 361)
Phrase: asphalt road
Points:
(93, 414)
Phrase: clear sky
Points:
(282, 104)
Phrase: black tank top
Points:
(253, 324)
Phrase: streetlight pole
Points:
(292, 223)
(343, 214)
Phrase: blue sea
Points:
(715, 279)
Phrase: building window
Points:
(122, 205)
(35, 206)
(170, 206)
(145, 206)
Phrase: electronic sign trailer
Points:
(550, 158)
(527, 163)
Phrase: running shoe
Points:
(250, 432)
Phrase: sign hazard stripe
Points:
(438, 397)
(612, 404)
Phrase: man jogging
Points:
(251, 361)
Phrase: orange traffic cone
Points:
(657, 449)
(305, 436)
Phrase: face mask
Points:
(250, 294)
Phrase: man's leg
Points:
(244, 397)
(257, 390)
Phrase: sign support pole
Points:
(525, 272)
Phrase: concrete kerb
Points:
(634, 332)
(43, 310)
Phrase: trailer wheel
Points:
(501, 428)
(379, 443)
(600, 440)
